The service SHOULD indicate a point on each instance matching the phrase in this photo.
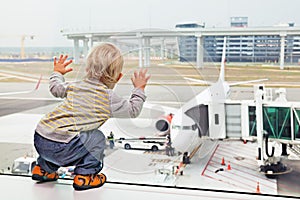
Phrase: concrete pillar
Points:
(154, 53)
(282, 48)
(147, 52)
(91, 42)
(166, 52)
(199, 58)
(162, 49)
(141, 52)
(172, 52)
(85, 47)
(76, 51)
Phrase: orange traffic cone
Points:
(258, 188)
(223, 161)
(228, 166)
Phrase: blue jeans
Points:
(111, 144)
(85, 152)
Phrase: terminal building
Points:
(252, 48)
(188, 44)
(198, 43)
(259, 47)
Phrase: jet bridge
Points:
(236, 119)
(280, 121)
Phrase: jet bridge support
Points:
(270, 164)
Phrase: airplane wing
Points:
(198, 81)
(160, 108)
(246, 82)
(23, 92)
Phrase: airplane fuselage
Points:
(183, 129)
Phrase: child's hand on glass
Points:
(140, 79)
(61, 64)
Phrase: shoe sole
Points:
(39, 178)
(87, 187)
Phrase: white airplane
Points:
(195, 117)
(24, 91)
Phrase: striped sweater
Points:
(87, 105)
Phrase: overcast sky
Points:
(46, 18)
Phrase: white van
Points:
(153, 144)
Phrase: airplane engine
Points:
(163, 125)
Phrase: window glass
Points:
(181, 44)
(297, 124)
(277, 122)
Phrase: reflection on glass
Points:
(208, 156)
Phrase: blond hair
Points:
(105, 63)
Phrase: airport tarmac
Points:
(20, 113)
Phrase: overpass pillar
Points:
(76, 51)
(91, 43)
(141, 52)
(85, 47)
(147, 52)
(162, 49)
(171, 52)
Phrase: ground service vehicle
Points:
(153, 144)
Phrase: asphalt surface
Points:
(10, 106)
(289, 184)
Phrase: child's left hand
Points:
(61, 64)
(140, 79)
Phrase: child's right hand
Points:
(61, 64)
(139, 79)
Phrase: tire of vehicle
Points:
(154, 148)
(270, 174)
(127, 146)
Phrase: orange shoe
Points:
(38, 174)
(85, 182)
